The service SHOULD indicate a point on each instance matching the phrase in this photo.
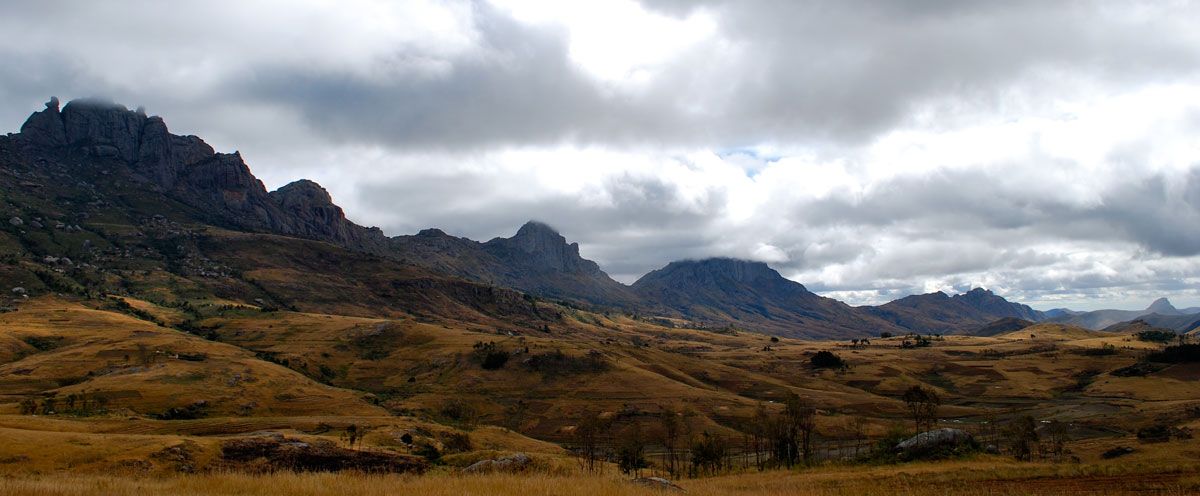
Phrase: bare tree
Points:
(922, 405)
(589, 434)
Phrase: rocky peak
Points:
(546, 248)
(989, 303)
(105, 129)
(303, 192)
(45, 127)
(1162, 306)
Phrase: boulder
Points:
(937, 440)
(16, 221)
(512, 463)
(657, 483)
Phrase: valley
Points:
(168, 322)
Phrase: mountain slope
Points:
(726, 290)
(941, 313)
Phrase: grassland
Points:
(980, 477)
(313, 377)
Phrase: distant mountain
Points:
(1059, 312)
(536, 259)
(1178, 323)
(754, 295)
(941, 313)
(1100, 319)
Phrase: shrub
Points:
(43, 343)
(456, 442)
(1157, 336)
(1116, 452)
(558, 363)
(1182, 353)
(1104, 350)
(827, 360)
(489, 356)
(193, 411)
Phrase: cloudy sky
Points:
(1046, 150)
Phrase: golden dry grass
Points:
(983, 477)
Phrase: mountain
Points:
(99, 200)
(1100, 319)
(941, 313)
(1183, 324)
(1059, 312)
(94, 133)
(537, 259)
(725, 290)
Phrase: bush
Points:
(1182, 353)
(193, 411)
(827, 360)
(1157, 336)
(558, 363)
(1104, 350)
(43, 343)
(489, 356)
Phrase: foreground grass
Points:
(985, 477)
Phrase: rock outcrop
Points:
(512, 463)
(312, 214)
(934, 442)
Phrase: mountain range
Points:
(73, 177)
(1161, 313)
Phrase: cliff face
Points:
(188, 170)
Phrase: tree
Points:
(792, 432)
(922, 405)
(760, 434)
(708, 454)
(1022, 436)
(48, 405)
(1057, 436)
(631, 454)
(803, 417)
(353, 434)
(28, 406)
(588, 436)
(671, 426)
